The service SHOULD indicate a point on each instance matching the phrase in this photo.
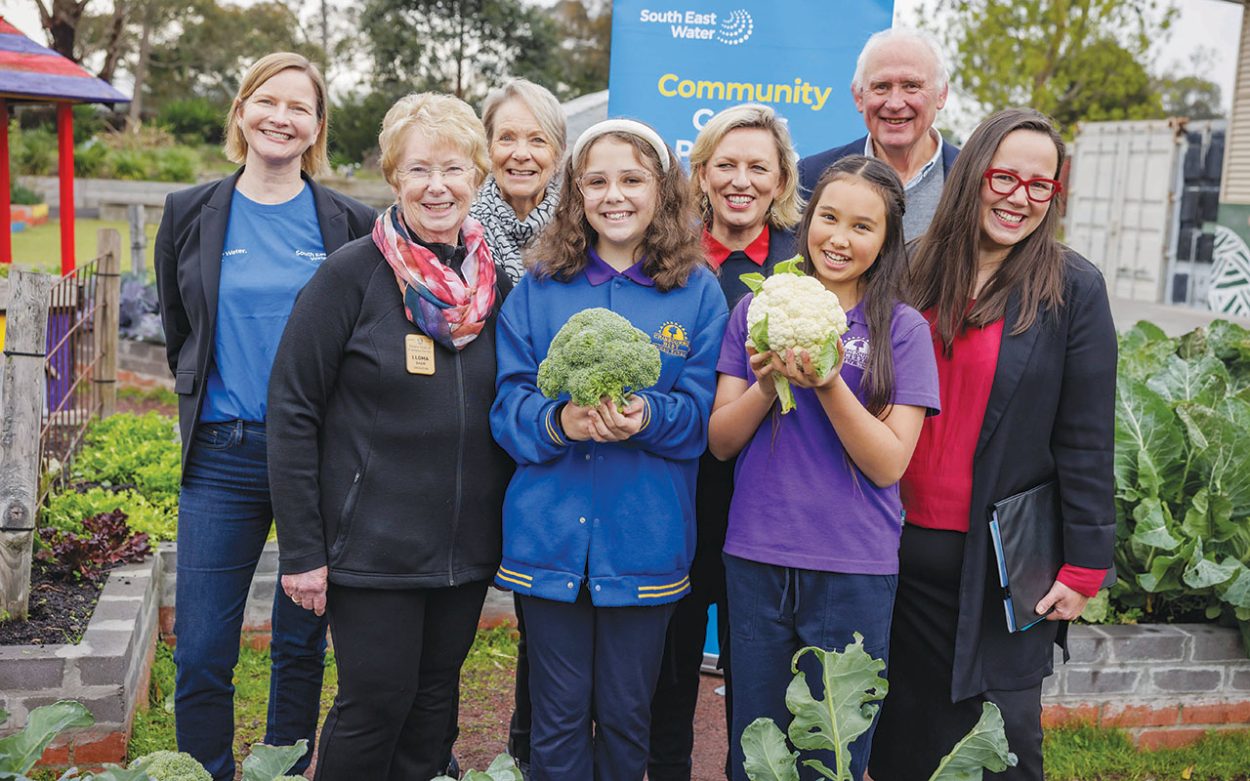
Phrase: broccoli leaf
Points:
(852, 685)
(829, 357)
(20, 751)
(768, 758)
(983, 748)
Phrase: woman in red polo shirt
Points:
(1026, 354)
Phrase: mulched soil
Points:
(60, 608)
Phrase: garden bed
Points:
(107, 670)
(60, 607)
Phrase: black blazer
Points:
(812, 166)
(188, 271)
(1050, 416)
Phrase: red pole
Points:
(65, 165)
(6, 213)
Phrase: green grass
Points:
(1085, 753)
(154, 728)
(39, 248)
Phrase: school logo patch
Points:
(856, 352)
(672, 339)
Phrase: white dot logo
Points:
(736, 28)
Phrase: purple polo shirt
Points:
(598, 271)
(798, 500)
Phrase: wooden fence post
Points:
(24, 387)
(108, 301)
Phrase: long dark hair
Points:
(944, 264)
(882, 284)
(670, 245)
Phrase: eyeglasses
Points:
(628, 183)
(1039, 189)
(419, 173)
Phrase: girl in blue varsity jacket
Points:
(599, 518)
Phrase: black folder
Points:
(1028, 544)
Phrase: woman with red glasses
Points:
(1026, 355)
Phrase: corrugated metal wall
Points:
(1236, 179)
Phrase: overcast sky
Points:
(1215, 24)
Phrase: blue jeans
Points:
(773, 612)
(224, 516)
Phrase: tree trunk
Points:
(133, 119)
(62, 25)
(113, 45)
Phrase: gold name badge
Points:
(419, 351)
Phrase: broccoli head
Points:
(172, 766)
(598, 353)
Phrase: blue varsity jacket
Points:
(615, 517)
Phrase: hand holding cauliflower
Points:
(598, 353)
(794, 311)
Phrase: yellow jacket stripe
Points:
(679, 584)
(505, 570)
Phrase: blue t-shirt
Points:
(270, 253)
(798, 501)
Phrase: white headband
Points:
(630, 126)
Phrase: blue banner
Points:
(675, 63)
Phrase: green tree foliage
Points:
(1072, 59)
(208, 46)
(586, 32)
(355, 122)
(1186, 93)
(463, 47)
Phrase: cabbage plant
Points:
(853, 689)
(1182, 475)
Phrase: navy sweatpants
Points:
(592, 674)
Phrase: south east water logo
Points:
(731, 29)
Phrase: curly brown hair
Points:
(670, 245)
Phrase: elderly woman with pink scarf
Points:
(387, 484)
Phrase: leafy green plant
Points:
(501, 769)
(106, 541)
(853, 687)
(65, 511)
(270, 763)
(171, 766)
(195, 120)
(20, 195)
(20, 751)
(1182, 473)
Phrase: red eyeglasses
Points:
(1038, 190)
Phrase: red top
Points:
(937, 486)
(716, 252)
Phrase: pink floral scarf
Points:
(446, 308)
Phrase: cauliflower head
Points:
(172, 766)
(793, 311)
(598, 353)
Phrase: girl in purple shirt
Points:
(811, 553)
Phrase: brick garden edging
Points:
(1165, 684)
(107, 671)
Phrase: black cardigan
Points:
(188, 271)
(1050, 416)
(391, 479)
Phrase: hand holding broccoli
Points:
(599, 354)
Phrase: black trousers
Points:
(519, 725)
(918, 723)
(399, 654)
(677, 692)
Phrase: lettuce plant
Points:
(853, 689)
(1182, 474)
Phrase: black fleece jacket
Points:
(391, 479)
